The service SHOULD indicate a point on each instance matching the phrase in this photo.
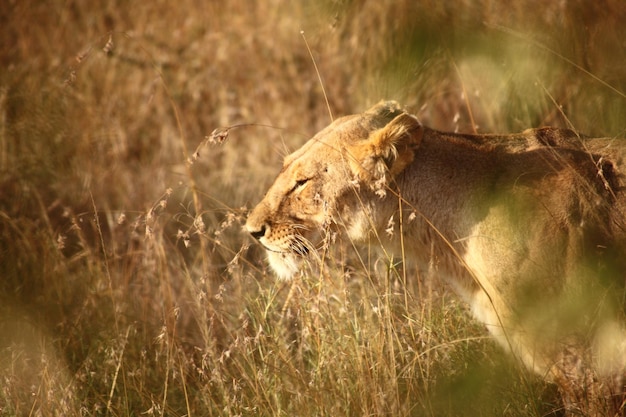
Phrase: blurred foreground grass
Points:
(126, 284)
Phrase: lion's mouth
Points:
(287, 255)
(295, 248)
(295, 245)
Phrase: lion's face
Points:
(323, 184)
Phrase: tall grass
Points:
(126, 284)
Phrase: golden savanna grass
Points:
(127, 286)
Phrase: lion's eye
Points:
(299, 184)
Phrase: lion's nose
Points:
(259, 232)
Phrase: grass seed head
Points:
(219, 135)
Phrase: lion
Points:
(528, 229)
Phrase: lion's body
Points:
(529, 229)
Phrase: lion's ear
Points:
(387, 151)
(385, 110)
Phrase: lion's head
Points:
(324, 183)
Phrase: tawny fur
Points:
(529, 229)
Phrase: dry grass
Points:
(126, 284)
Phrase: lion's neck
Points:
(442, 198)
(447, 184)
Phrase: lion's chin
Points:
(284, 265)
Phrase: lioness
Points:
(529, 229)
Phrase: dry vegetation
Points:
(126, 284)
